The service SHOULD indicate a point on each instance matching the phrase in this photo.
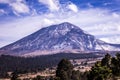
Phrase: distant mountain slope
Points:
(64, 37)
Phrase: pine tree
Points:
(106, 61)
(116, 65)
(14, 76)
(99, 72)
(64, 70)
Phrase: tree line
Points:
(106, 69)
(23, 65)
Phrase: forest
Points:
(23, 65)
(106, 69)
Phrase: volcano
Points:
(64, 37)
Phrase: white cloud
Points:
(112, 39)
(90, 5)
(53, 5)
(73, 7)
(115, 15)
(108, 3)
(2, 12)
(105, 29)
(47, 21)
(19, 7)
(5, 1)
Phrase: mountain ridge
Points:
(64, 37)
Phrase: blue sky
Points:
(19, 18)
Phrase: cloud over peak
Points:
(53, 5)
(73, 7)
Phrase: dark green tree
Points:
(56, 78)
(99, 72)
(64, 70)
(14, 76)
(76, 75)
(38, 78)
(83, 76)
(116, 65)
(106, 61)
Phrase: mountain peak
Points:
(59, 29)
(67, 25)
(64, 37)
(63, 28)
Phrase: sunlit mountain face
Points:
(19, 18)
(59, 38)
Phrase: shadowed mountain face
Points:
(64, 37)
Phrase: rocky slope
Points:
(64, 37)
